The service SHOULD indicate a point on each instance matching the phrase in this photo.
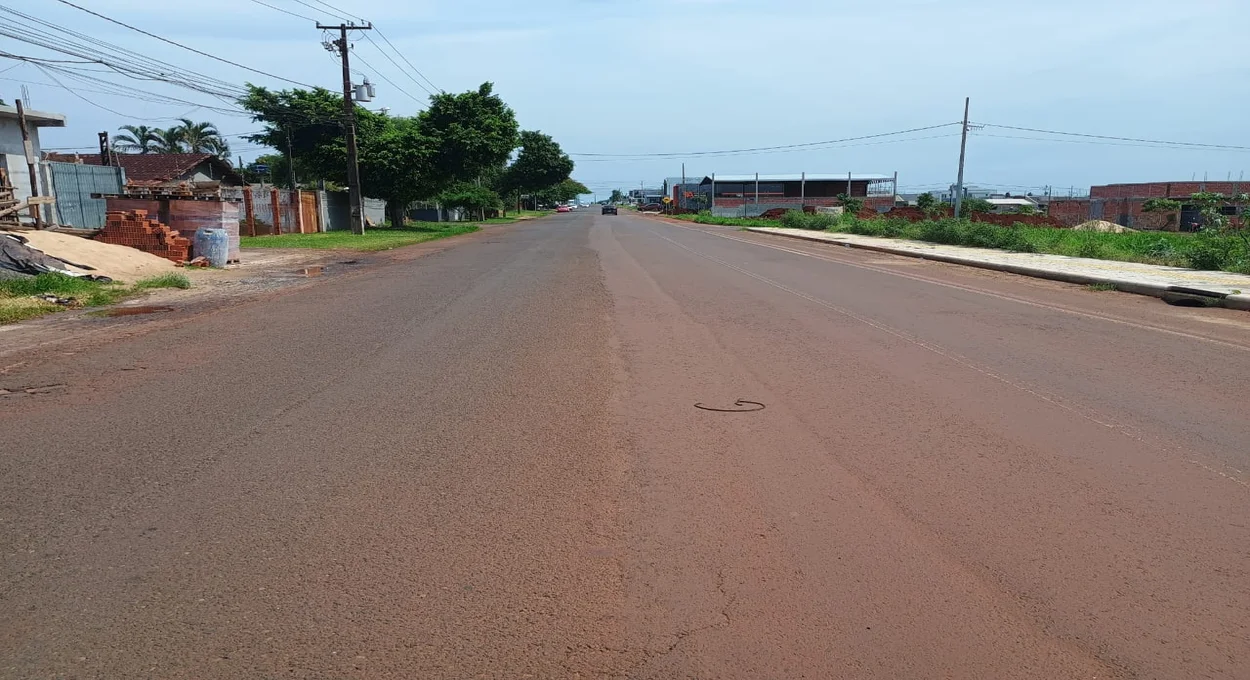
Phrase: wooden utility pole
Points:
(963, 147)
(349, 125)
(29, 149)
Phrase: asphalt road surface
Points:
(487, 462)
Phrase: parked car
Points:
(651, 207)
(609, 210)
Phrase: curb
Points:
(1167, 292)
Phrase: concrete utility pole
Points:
(349, 126)
(29, 149)
(963, 147)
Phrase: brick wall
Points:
(1069, 212)
(186, 216)
(1166, 189)
(134, 229)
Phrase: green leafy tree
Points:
(137, 139)
(540, 164)
(926, 202)
(563, 191)
(472, 197)
(468, 133)
(617, 196)
(850, 206)
(975, 205)
(200, 137)
(168, 141)
(1026, 210)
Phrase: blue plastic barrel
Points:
(213, 244)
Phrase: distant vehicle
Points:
(609, 210)
(564, 208)
(651, 207)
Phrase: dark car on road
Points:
(609, 210)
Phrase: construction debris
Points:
(116, 262)
(1103, 226)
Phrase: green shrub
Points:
(797, 219)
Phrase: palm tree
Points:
(199, 137)
(138, 138)
(220, 147)
(168, 141)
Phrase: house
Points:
(13, 151)
(748, 195)
(1125, 204)
(161, 169)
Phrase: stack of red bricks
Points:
(134, 229)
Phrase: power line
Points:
(1119, 139)
(761, 148)
(335, 11)
(334, 14)
(780, 150)
(178, 44)
(401, 56)
(392, 83)
(285, 11)
(392, 60)
(1147, 145)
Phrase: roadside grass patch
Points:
(1204, 251)
(17, 302)
(171, 280)
(1101, 287)
(374, 239)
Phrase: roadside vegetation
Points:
(374, 239)
(20, 298)
(1214, 248)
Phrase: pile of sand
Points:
(120, 263)
(1102, 226)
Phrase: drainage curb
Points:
(1241, 302)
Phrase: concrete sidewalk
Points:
(1231, 290)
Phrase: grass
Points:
(17, 303)
(1101, 287)
(1204, 251)
(374, 239)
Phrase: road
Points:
(487, 462)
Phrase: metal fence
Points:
(311, 210)
(73, 184)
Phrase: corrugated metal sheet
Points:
(811, 177)
(74, 183)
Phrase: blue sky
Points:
(640, 77)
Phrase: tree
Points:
(200, 137)
(926, 202)
(850, 206)
(168, 141)
(617, 196)
(470, 196)
(468, 134)
(539, 165)
(975, 205)
(563, 191)
(137, 139)
(1026, 210)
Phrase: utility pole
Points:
(963, 148)
(30, 163)
(349, 125)
(290, 157)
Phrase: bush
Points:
(797, 219)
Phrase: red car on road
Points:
(563, 208)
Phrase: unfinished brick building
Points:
(1124, 204)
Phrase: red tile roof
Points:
(155, 167)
